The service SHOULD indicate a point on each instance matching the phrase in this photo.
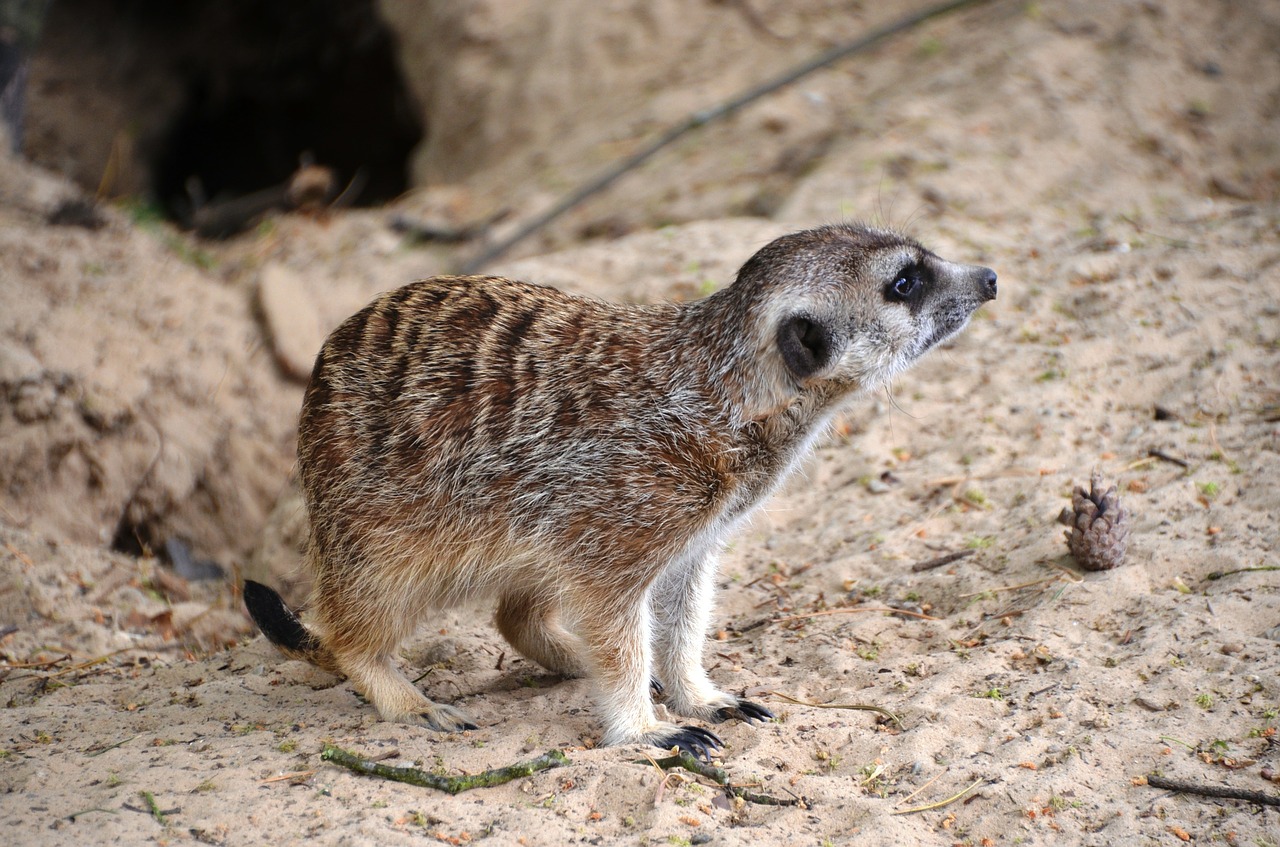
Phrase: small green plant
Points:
(1204, 700)
(979, 542)
(930, 47)
(991, 694)
(1209, 489)
(287, 746)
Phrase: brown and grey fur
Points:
(581, 462)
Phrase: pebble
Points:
(1231, 648)
(17, 365)
(292, 320)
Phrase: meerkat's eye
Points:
(907, 285)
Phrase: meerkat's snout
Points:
(581, 462)
(987, 282)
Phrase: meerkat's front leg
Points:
(682, 602)
(617, 627)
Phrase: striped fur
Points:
(581, 462)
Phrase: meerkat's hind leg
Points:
(396, 699)
(362, 632)
(529, 622)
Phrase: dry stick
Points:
(1221, 574)
(450, 784)
(702, 118)
(888, 609)
(717, 775)
(282, 777)
(153, 807)
(1163, 456)
(940, 803)
(1213, 791)
(1017, 587)
(91, 752)
(930, 564)
(853, 707)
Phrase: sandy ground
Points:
(1125, 194)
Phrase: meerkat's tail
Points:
(282, 627)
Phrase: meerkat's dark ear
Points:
(806, 344)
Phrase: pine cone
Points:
(1099, 526)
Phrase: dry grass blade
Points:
(887, 609)
(852, 707)
(940, 803)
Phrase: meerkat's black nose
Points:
(987, 279)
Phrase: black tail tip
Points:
(277, 622)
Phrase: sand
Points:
(1126, 196)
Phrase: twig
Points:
(100, 750)
(685, 760)
(1163, 456)
(1017, 587)
(930, 564)
(449, 784)
(1221, 574)
(1213, 791)
(702, 118)
(284, 776)
(853, 707)
(852, 611)
(1007, 473)
(31, 665)
(940, 803)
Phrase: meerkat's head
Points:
(846, 307)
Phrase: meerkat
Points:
(582, 462)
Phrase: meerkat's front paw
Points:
(696, 741)
(717, 706)
(743, 710)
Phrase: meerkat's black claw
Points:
(696, 741)
(656, 687)
(745, 710)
